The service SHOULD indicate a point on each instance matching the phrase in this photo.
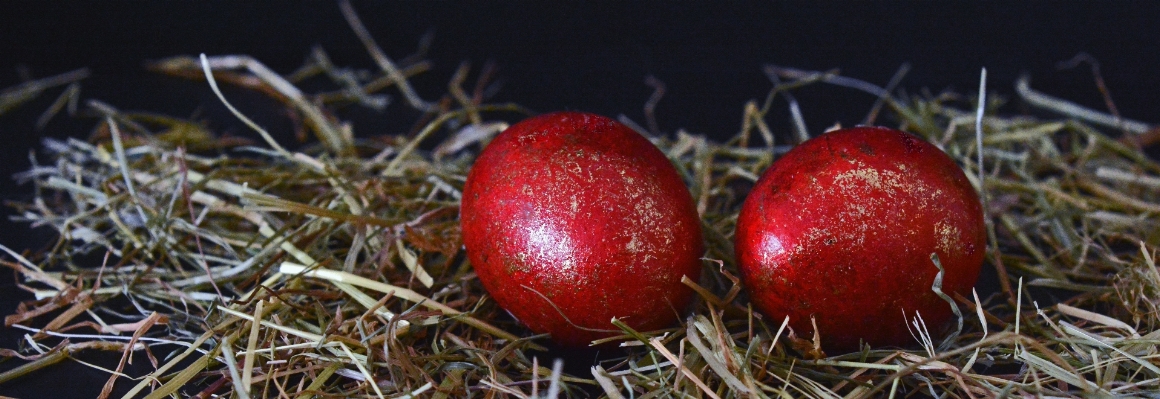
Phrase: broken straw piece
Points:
(412, 263)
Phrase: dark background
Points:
(583, 56)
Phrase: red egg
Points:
(842, 229)
(572, 219)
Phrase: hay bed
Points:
(338, 271)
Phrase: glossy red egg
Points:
(842, 228)
(571, 219)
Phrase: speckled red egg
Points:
(571, 219)
(841, 228)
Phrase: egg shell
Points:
(842, 228)
(571, 219)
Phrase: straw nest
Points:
(338, 270)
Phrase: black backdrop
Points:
(591, 56)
